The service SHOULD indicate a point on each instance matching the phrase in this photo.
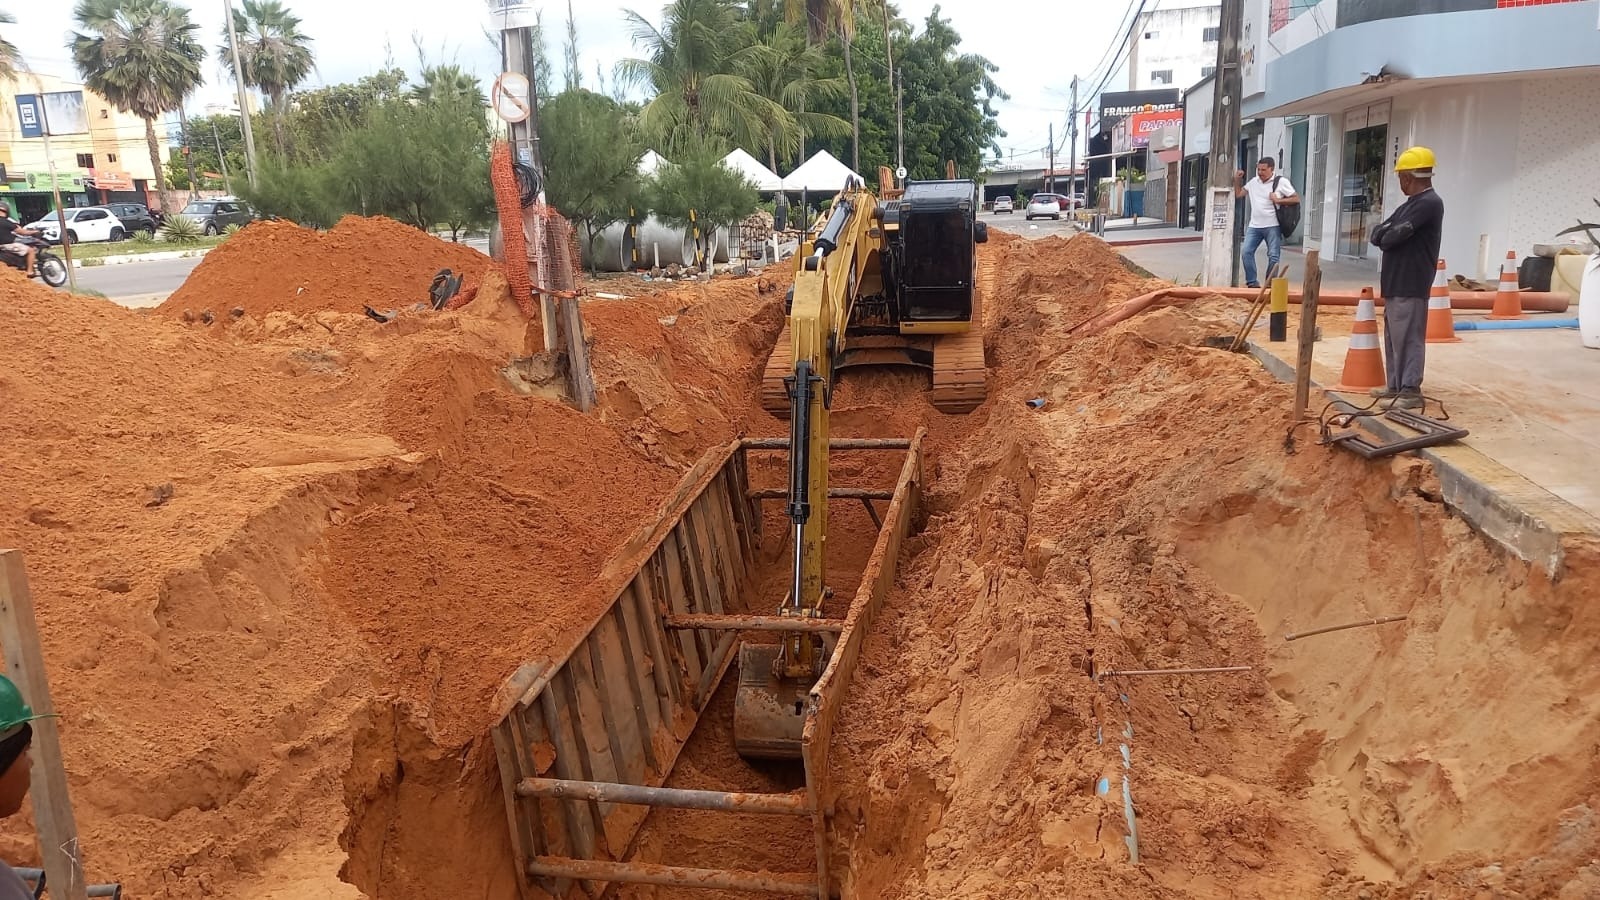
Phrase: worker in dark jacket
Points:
(1409, 240)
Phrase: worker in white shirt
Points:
(1267, 193)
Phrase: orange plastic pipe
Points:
(1474, 300)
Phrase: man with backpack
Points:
(1274, 213)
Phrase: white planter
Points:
(1589, 304)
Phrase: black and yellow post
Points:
(1278, 321)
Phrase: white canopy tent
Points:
(821, 172)
(650, 162)
(764, 178)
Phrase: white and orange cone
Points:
(1441, 321)
(1508, 300)
(1363, 362)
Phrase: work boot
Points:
(1384, 393)
(1405, 400)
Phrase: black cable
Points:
(528, 184)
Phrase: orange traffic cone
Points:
(1441, 322)
(1363, 362)
(1508, 300)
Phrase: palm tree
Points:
(785, 75)
(274, 54)
(693, 67)
(448, 83)
(823, 16)
(142, 56)
(10, 59)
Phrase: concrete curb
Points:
(126, 258)
(1499, 502)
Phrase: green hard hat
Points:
(14, 711)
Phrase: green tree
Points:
(274, 54)
(591, 154)
(421, 163)
(308, 193)
(10, 59)
(786, 75)
(321, 117)
(574, 74)
(202, 136)
(449, 82)
(142, 56)
(949, 102)
(691, 68)
(699, 190)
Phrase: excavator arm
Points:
(832, 270)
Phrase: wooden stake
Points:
(52, 805)
(1308, 335)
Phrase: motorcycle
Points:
(49, 267)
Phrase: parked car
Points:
(84, 223)
(135, 217)
(1073, 201)
(1003, 205)
(1043, 206)
(213, 216)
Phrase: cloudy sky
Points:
(354, 37)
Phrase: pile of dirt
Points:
(279, 574)
(280, 266)
(1147, 517)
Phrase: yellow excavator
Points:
(876, 282)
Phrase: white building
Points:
(1505, 92)
(1175, 45)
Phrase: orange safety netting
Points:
(508, 200)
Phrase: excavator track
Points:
(774, 395)
(959, 384)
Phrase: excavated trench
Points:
(372, 528)
(1146, 517)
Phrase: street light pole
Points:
(1072, 135)
(244, 103)
(55, 185)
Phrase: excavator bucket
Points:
(768, 711)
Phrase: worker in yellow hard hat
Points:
(1410, 241)
(16, 735)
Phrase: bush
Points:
(181, 229)
(232, 230)
(142, 239)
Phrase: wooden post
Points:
(52, 806)
(1308, 334)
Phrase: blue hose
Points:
(1514, 324)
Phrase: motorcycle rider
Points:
(9, 228)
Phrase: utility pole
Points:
(1219, 245)
(244, 94)
(517, 48)
(1050, 178)
(55, 185)
(900, 121)
(188, 151)
(227, 183)
(1072, 135)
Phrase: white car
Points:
(84, 223)
(1002, 205)
(1044, 206)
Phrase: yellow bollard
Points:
(1278, 322)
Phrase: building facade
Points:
(1506, 92)
(1175, 45)
(101, 155)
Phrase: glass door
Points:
(1361, 197)
(1299, 135)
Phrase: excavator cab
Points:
(933, 267)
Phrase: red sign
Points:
(1143, 126)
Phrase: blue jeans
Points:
(1252, 240)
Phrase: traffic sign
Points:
(900, 173)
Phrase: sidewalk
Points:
(1531, 399)
(1180, 263)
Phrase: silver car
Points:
(1044, 206)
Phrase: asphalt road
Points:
(134, 281)
(1016, 223)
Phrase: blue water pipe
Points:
(1514, 324)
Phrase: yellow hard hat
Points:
(1416, 159)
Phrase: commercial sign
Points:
(1115, 104)
(107, 180)
(71, 182)
(62, 112)
(508, 14)
(1354, 12)
(1145, 125)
